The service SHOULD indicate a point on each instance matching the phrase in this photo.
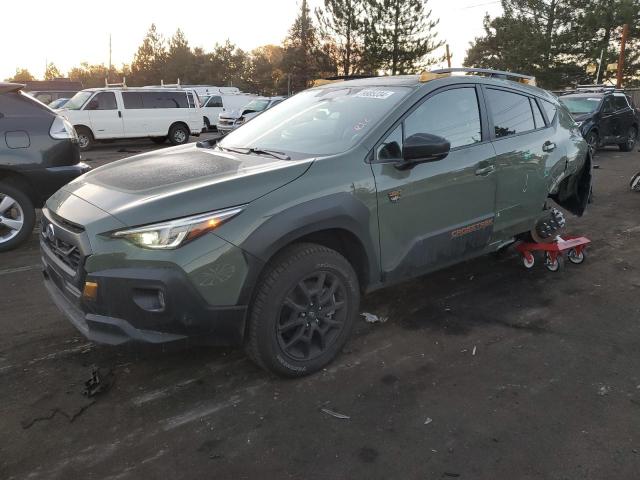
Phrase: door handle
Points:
(548, 146)
(119, 114)
(484, 171)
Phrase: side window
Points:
(511, 112)
(103, 101)
(452, 114)
(620, 102)
(215, 101)
(550, 109)
(132, 100)
(537, 115)
(607, 106)
(391, 147)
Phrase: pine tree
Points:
(150, 59)
(340, 22)
(407, 34)
(179, 59)
(304, 60)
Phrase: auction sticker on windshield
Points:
(374, 93)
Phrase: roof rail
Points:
(123, 84)
(528, 79)
(598, 88)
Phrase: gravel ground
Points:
(482, 371)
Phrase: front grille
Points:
(67, 253)
(226, 122)
(74, 227)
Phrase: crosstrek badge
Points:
(374, 93)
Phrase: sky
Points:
(74, 31)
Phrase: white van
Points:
(216, 103)
(129, 112)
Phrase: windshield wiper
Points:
(272, 153)
(257, 151)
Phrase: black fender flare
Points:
(339, 211)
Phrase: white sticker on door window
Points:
(374, 93)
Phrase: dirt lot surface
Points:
(482, 371)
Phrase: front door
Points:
(105, 116)
(439, 212)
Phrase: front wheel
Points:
(304, 310)
(631, 140)
(17, 217)
(178, 135)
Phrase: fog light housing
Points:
(90, 291)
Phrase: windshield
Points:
(317, 122)
(78, 100)
(580, 105)
(256, 105)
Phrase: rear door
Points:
(625, 116)
(105, 115)
(528, 153)
(439, 212)
(135, 117)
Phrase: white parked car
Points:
(218, 103)
(130, 112)
(231, 119)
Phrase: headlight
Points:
(174, 233)
(61, 129)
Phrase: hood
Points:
(180, 181)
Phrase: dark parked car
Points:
(605, 116)
(38, 155)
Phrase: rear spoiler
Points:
(10, 87)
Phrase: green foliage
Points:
(304, 57)
(556, 40)
(341, 25)
(150, 59)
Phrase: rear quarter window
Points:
(550, 109)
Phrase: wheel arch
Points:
(81, 125)
(338, 221)
(23, 182)
(179, 122)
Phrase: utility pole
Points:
(448, 57)
(599, 67)
(109, 71)
(625, 32)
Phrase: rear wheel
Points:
(304, 310)
(631, 140)
(178, 134)
(85, 138)
(159, 140)
(17, 217)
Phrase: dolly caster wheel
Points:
(528, 260)
(552, 265)
(575, 257)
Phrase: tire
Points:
(159, 140)
(85, 138)
(285, 297)
(575, 257)
(627, 146)
(178, 134)
(553, 266)
(15, 207)
(593, 141)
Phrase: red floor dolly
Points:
(553, 252)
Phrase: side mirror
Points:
(424, 147)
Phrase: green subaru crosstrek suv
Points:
(268, 238)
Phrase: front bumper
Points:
(144, 305)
